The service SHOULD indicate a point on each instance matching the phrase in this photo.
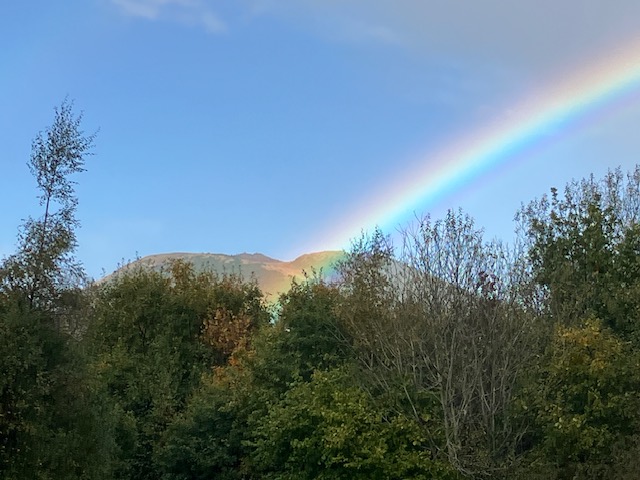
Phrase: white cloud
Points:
(187, 12)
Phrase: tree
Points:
(329, 428)
(217, 434)
(44, 267)
(52, 425)
(448, 320)
(207, 439)
(584, 252)
(153, 337)
(583, 248)
(583, 403)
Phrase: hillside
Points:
(273, 276)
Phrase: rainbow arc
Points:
(549, 113)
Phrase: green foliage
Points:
(584, 250)
(44, 266)
(305, 338)
(327, 429)
(52, 423)
(205, 441)
(585, 401)
(152, 339)
(225, 416)
(309, 333)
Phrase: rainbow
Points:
(529, 123)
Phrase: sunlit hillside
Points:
(273, 276)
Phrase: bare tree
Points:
(448, 317)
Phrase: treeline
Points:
(444, 357)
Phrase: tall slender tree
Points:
(52, 424)
(44, 267)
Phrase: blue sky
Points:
(257, 125)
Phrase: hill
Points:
(273, 276)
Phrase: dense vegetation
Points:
(448, 357)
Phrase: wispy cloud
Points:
(187, 12)
(212, 23)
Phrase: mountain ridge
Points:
(273, 276)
